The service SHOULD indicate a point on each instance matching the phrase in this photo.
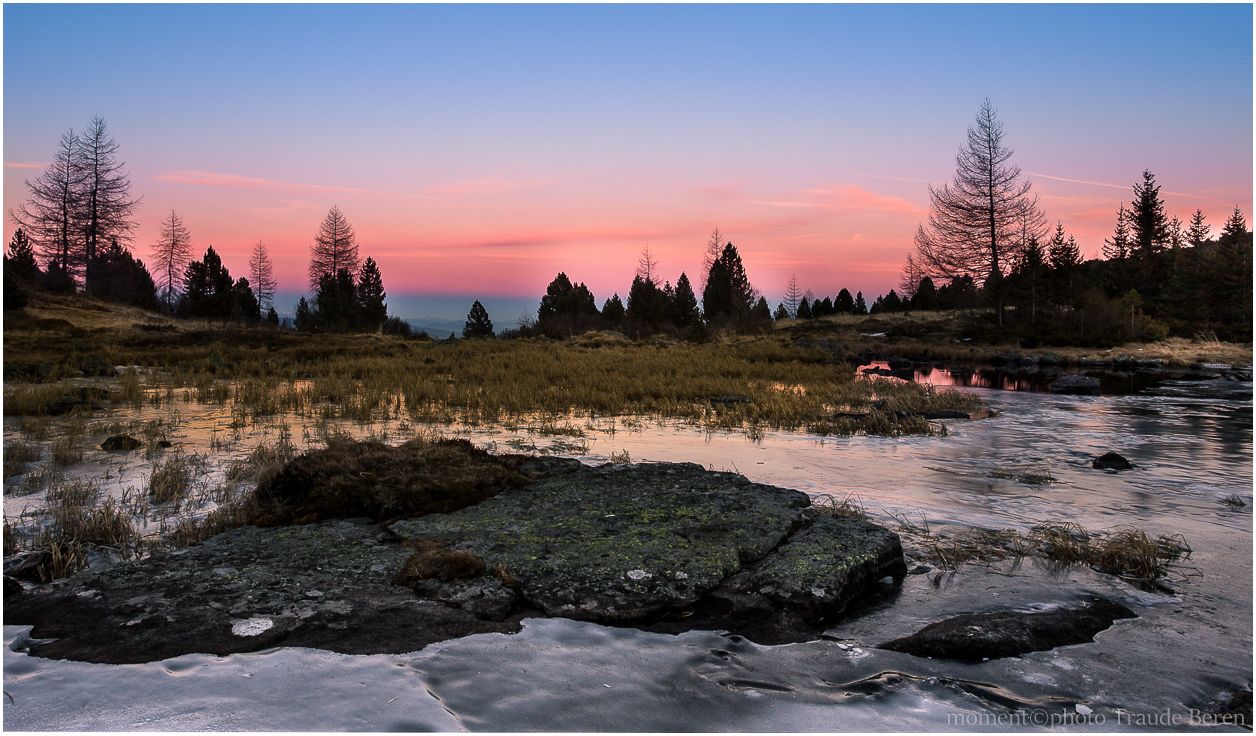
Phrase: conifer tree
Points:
(804, 309)
(761, 314)
(793, 294)
(208, 288)
(478, 324)
(303, 317)
(1197, 231)
(371, 309)
(105, 202)
(844, 303)
(1118, 247)
(1235, 228)
(728, 296)
(861, 307)
(50, 215)
(20, 262)
(782, 312)
(335, 247)
(262, 274)
(685, 304)
(171, 254)
(613, 310)
(1148, 228)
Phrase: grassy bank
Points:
(944, 337)
(753, 382)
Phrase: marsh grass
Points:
(1125, 552)
(848, 507)
(172, 477)
(17, 454)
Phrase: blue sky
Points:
(480, 149)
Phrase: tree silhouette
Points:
(647, 267)
(861, 307)
(105, 203)
(1197, 231)
(685, 312)
(371, 309)
(335, 303)
(208, 291)
(1147, 223)
(262, 274)
(911, 275)
(303, 316)
(478, 324)
(171, 254)
(711, 253)
(335, 248)
(50, 214)
(804, 309)
(613, 310)
(844, 303)
(782, 312)
(925, 296)
(728, 296)
(979, 223)
(793, 294)
(1117, 248)
(20, 262)
(120, 277)
(1235, 228)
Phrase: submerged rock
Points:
(974, 637)
(120, 443)
(666, 546)
(1075, 384)
(1111, 461)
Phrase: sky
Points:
(480, 149)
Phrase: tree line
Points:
(74, 234)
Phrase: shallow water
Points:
(1191, 444)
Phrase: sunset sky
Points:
(478, 150)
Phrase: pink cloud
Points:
(854, 198)
(24, 165)
(235, 181)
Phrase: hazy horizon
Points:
(479, 150)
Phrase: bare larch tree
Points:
(50, 214)
(647, 267)
(335, 247)
(105, 205)
(711, 254)
(909, 281)
(262, 273)
(980, 222)
(793, 295)
(171, 254)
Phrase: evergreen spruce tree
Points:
(1235, 228)
(1148, 227)
(478, 324)
(685, 304)
(371, 309)
(272, 317)
(303, 318)
(926, 296)
(845, 303)
(122, 278)
(1197, 231)
(20, 263)
(244, 304)
(804, 309)
(207, 287)
(1118, 247)
(613, 310)
(728, 296)
(861, 307)
(782, 312)
(761, 314)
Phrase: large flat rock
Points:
(621, 542)
(664, 546)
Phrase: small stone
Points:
(121, 443)
(251, 626)
(639, 575)
(1111, 461)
